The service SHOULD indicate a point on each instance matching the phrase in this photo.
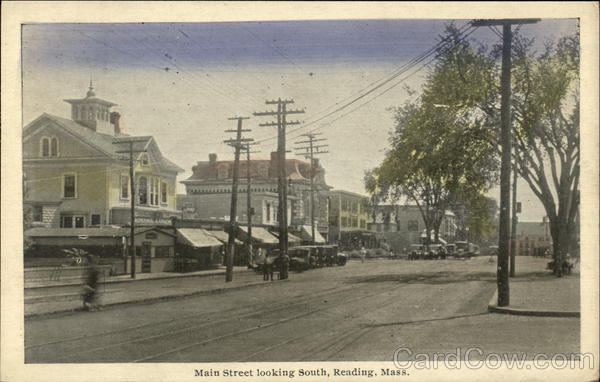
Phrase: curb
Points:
(493, 308)
(150, 300)
(127, 280)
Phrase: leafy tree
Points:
(545, 104)
(439, 147)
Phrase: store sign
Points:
(151, 235)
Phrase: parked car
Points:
(437, 251)
(416, 252)
(466, 250)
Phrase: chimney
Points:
(114, 120)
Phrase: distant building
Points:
(75, 178)
(208, 192)
(532, 238)
(348, 212)
(402, 225)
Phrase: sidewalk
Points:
(45, 283)
(535, 291)
(149, 288)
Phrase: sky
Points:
(181, 82)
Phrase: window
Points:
(363, 224)
(268, 214)
(38, 213)
(124, 187)
(163, 192)
(54, 147)
(143, 190)
(69, 186)
(45, 147)
(72, 221)
(144, 160)
(95, 219)
(162, 251)
(152, 194)
(344, 221)
(413, 225)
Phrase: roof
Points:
(89, 231)
(262, 235)
(291, 238)
(104, 142)
(197, 237)
(532, 229)
(307, 234)
(259, 169)
(222, 236)
(348, 193)
(71, 232)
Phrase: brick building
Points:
(533, 238)
(208, 192)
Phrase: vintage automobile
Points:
(450, 249)
(466, 250)
(315, 256)
(436, 251)
(416, 252)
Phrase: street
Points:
(359, 312)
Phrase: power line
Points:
(281, 114)
(237, 143)
(311, 151)
(403, 69)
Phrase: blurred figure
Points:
(268, 268)
(90, 287)
(363, 254)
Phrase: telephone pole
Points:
(515, 219)
(250, 210)
(506, 143)
(132, 195)
(237, 144)
(310, 151)
(281, 124)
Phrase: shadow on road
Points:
(398, 323)
(424, 278)
(446, 277)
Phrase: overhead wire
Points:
(402, 70)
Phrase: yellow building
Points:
(74, 176)
(348, 212)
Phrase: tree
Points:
(547, 137)
(545, 106)
(440, 148)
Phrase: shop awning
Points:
(307, 235)
(197, 237)
(291, 238)
(261, 235)
(222, 236)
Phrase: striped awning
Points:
(197, 237)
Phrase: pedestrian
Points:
(268, 268)
(90, 288)
(363, 254)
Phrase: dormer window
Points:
(144, 159)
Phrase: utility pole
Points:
(515, 219)
(506, 143)
(237, 144)
(250, 210)
(132, 195)
(310, 151)
(281, 124)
